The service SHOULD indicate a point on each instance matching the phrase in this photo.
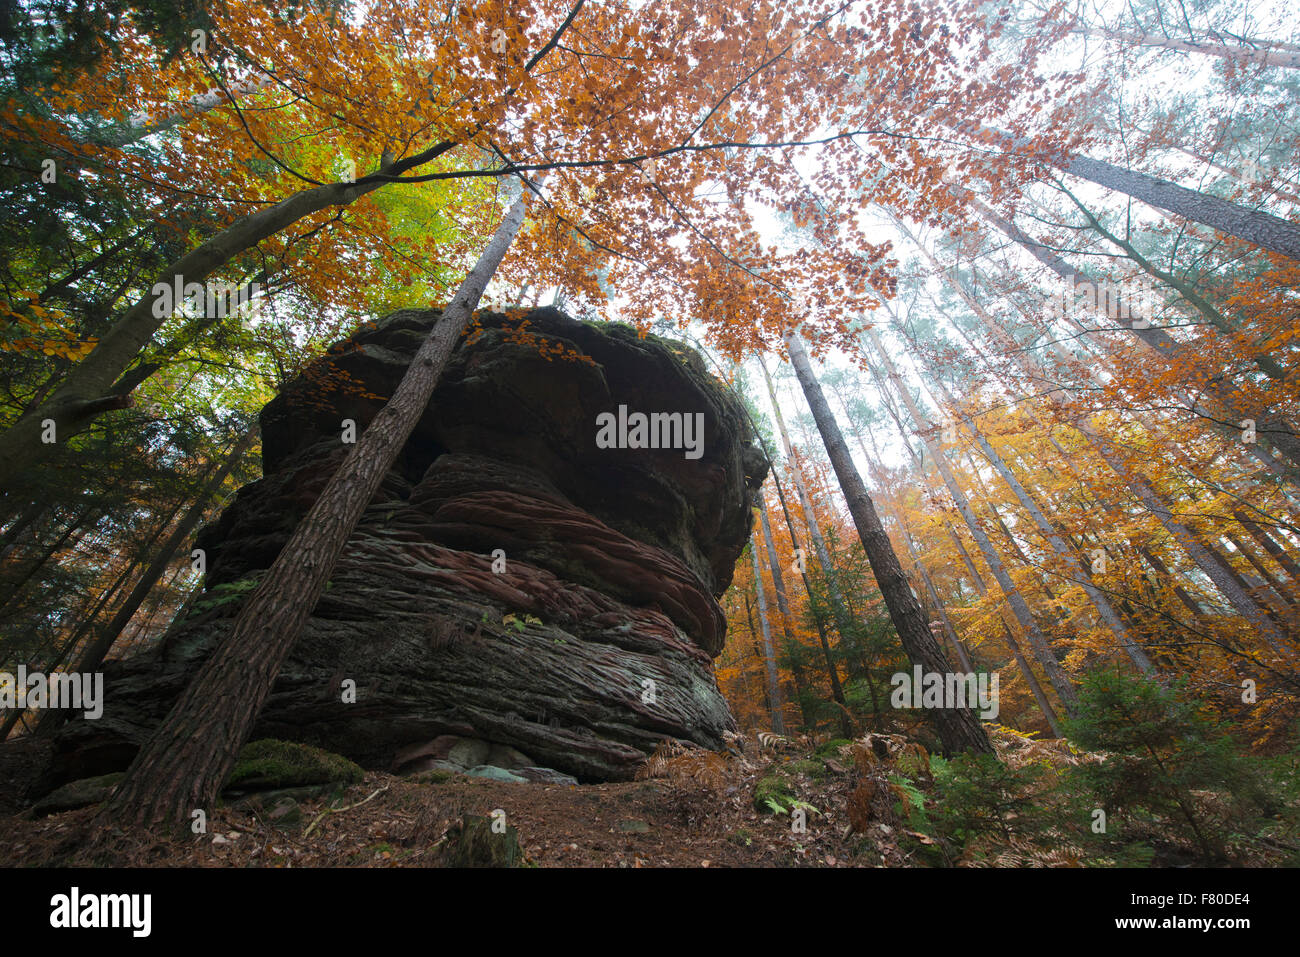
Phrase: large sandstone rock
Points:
(613, 560)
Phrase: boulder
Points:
(513, 583)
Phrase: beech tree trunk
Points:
(182, 766)
(958, 728)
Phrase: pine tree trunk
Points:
(783, 606)
(895, 510)
(958, 728)
(1078, 573)
(1263, 229)
(769, 657)
(89, 389)
(1269, 53)
(1019, 607)
(1270, 428)
(1238, 597)
(838, 611)
(93, 657)
(182, 766)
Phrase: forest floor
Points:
(778, 803)
(699, 811)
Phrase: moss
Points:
(831, 749)
(809, 766)
(279, 764)
(78, 794)
(773, 788)
(227, 593)
(471, 842)
(741, 836)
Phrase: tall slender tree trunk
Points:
(1267, 542)
(1254, 226)
(894, 509)
(1019, 607)
(93, 657)
(839, 612)
(1259, 52)
(958, 728)
(783, 608)
(1270, 428)
(182, 766)
(769, 656)
(1237, 596)
(1077, 572)
(839, 608)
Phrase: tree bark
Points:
(838, 611)
(1268, 53)
(782, 603)
(769, 657)
(1019, 607)
(1272, 429)
(182, 766)
(1263, 229)
(93, 657)
(958, 728)
(1078, 573)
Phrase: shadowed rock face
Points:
(613, 559)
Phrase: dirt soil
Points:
(696, 812)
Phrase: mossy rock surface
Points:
(269, 763)
(77, 794)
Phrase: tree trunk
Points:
(782, 605)
(184, 763)
(769, 657)
(1270, 428)
(1019, 607)
(958, 728)
(1263, 229)
(838, 611)
(1267, 53)
(93, 657)
(1236, 595)
(1267, 542)
(1078, 573)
